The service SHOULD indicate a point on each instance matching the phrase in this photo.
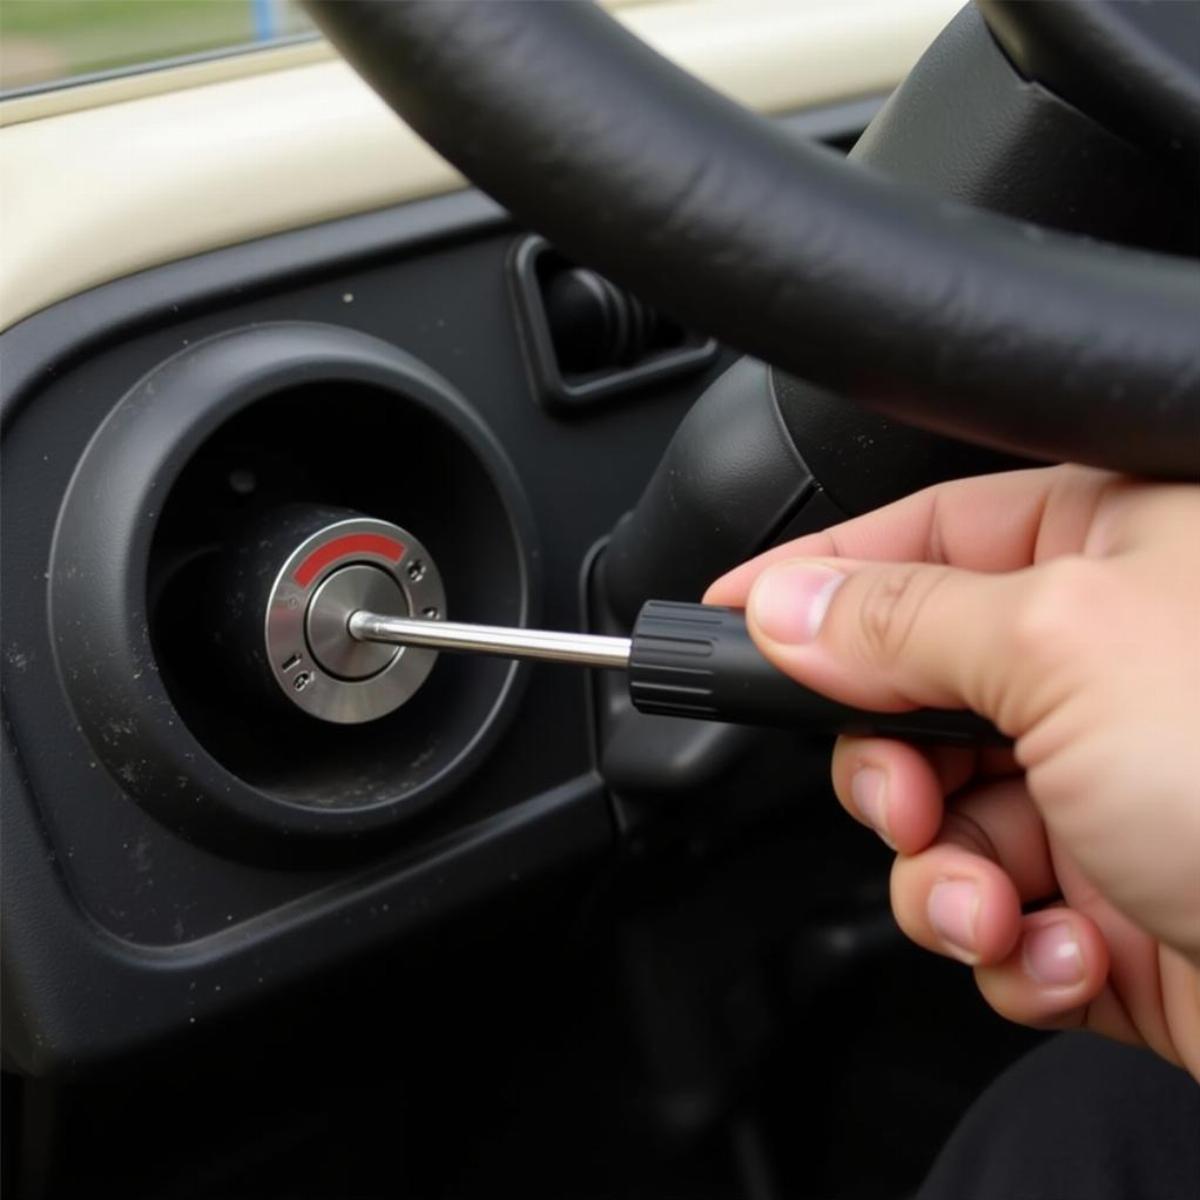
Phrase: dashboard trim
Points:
(94, 195)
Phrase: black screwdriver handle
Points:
(698, 660)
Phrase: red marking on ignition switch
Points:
(343, 547)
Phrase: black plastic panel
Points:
(450, 310)
(307, 414)
(139, 881)
(119, 930)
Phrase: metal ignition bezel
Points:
(355, 541)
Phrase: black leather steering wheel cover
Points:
(961, 322)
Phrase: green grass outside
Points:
(45, 40)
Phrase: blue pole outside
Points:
(265, 14)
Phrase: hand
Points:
(1064, 605)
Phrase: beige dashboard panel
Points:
(93, 194)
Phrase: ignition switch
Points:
(295, 581)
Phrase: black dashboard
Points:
(131, 911)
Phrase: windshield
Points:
(47, 43)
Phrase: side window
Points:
(49, 43)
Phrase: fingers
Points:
(896, 789)
(955, 902)
(921, 603)
(963, 896)
(888, 636)
(991, 523)
(1136, 1010)
(968, 866)
(1042, 969)
(1057, 969)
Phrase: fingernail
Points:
(789, 602)
(1052, 954)
(953, 909)
(867, 786)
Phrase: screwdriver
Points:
(684, 660)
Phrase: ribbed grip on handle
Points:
(675, 655)
(695, 660)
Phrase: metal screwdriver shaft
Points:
(684, 660)
(581, 649)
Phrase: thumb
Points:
(890, 636)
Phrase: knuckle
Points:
(1057, 609)
(962, 830)
(891, 608)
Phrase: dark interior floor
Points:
(718, 1018)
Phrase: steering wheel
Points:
(966, 323)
